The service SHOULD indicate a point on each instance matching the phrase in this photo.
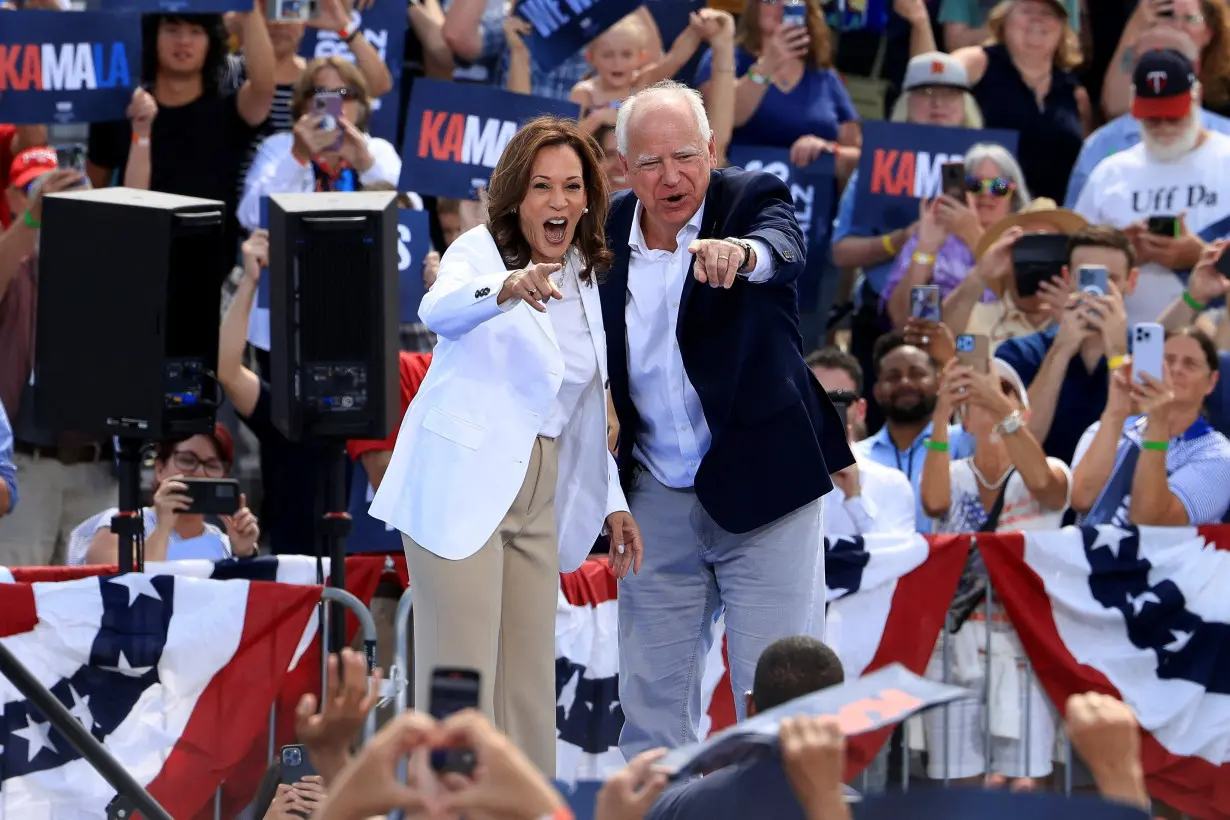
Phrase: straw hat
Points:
(1041, 211)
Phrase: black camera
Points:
(1038, 258)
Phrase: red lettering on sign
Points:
(429, 133)
(20, 72)
(888, 707)
(892, 172)
(446, 145)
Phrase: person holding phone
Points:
(1153, 459)
(170, 533)
(328, 149)
(1007, 485)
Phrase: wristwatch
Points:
(747, 254)
(1010, 424)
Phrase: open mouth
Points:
(555, 230)
(675, 199)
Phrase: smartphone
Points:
(952, 180)
(794, 13)
(452, 690)
(1148, 343)
(1163, 225)
(71, 157)
(842, 399)
(295, 767)
(974, 352)
(1092, 279)
(1037, 258)
(212, 496)
(925, 302)
(328, 106)
(294, 11)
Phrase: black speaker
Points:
(128, 313)
(333, 314)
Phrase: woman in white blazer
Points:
(501, 476)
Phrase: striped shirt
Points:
(279, 120)
(1197, 469)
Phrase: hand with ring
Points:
(717, 261)
(532, 285)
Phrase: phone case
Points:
(974, 351)
(925, 303)
(1148, 351)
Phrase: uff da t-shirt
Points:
(1130, 186)
(195, 150)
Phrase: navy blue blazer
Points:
(776, 436)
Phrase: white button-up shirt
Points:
(885, 503)
(674, 436)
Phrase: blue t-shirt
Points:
(1082, 395)
(818, 105)
(1217, 405)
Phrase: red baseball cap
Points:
(1162, 85)
(31, 164)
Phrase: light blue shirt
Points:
(843, 226)
(881, 449)
(1118, 135)
(8, 471)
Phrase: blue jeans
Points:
(767, 581)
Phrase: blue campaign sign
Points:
(563, 27)
(177, 6)
(456, 132)
(384, 26)
(814, 189)
(901, 162)
(258, 320)
(366, 533)
(413, 243)
(68, 68)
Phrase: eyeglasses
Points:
(189, 462)
(346, 92)
(996, 186)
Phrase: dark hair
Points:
(834, 358)
(268, 789)
(601, 134)
(220, 436)
(352, 77)
(792, 667)
(1207, 347)
(215, 57)
(448, 205)
(1103, 236)
(511, 180)
(891, 341)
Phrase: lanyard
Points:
(909, 470)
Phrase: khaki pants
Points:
(53, 498)
(495, 612)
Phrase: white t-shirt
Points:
(1021, 510)
(1131, 186)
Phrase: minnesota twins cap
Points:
(935, 68)
(1162, 85)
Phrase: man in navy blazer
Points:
(726, 438)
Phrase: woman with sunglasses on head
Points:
(322, 152)
(172, 535)
(941, 251)
(1008, 485)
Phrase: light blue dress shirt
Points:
(881, 449)
(8, 471)
(1118, 135)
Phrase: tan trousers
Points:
(495, 612)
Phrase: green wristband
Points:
(31, 222)
(1192, 303)
(1158, 446)
(937, 446)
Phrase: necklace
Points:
(982, 479)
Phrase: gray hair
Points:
(666, 88)
(1006, 163)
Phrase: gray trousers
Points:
(766, 581)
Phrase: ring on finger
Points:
(723, 258)
(532, 291)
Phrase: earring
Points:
(585, 210)
(514, 210)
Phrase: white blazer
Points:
(465, 443)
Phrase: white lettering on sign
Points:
(403, 248)
(803, 195)
(927, 172)
(545, 16)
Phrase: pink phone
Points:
(328, 106)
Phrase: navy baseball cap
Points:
(1162, 85)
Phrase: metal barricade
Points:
(367, 625)
(401, 657)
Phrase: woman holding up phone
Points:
(328, 149)
(1008, 485)
(170, 533)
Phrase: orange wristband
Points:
(142, 141)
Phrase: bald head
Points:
(667, 97)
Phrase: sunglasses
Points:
(996, 186)
(346, 93)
